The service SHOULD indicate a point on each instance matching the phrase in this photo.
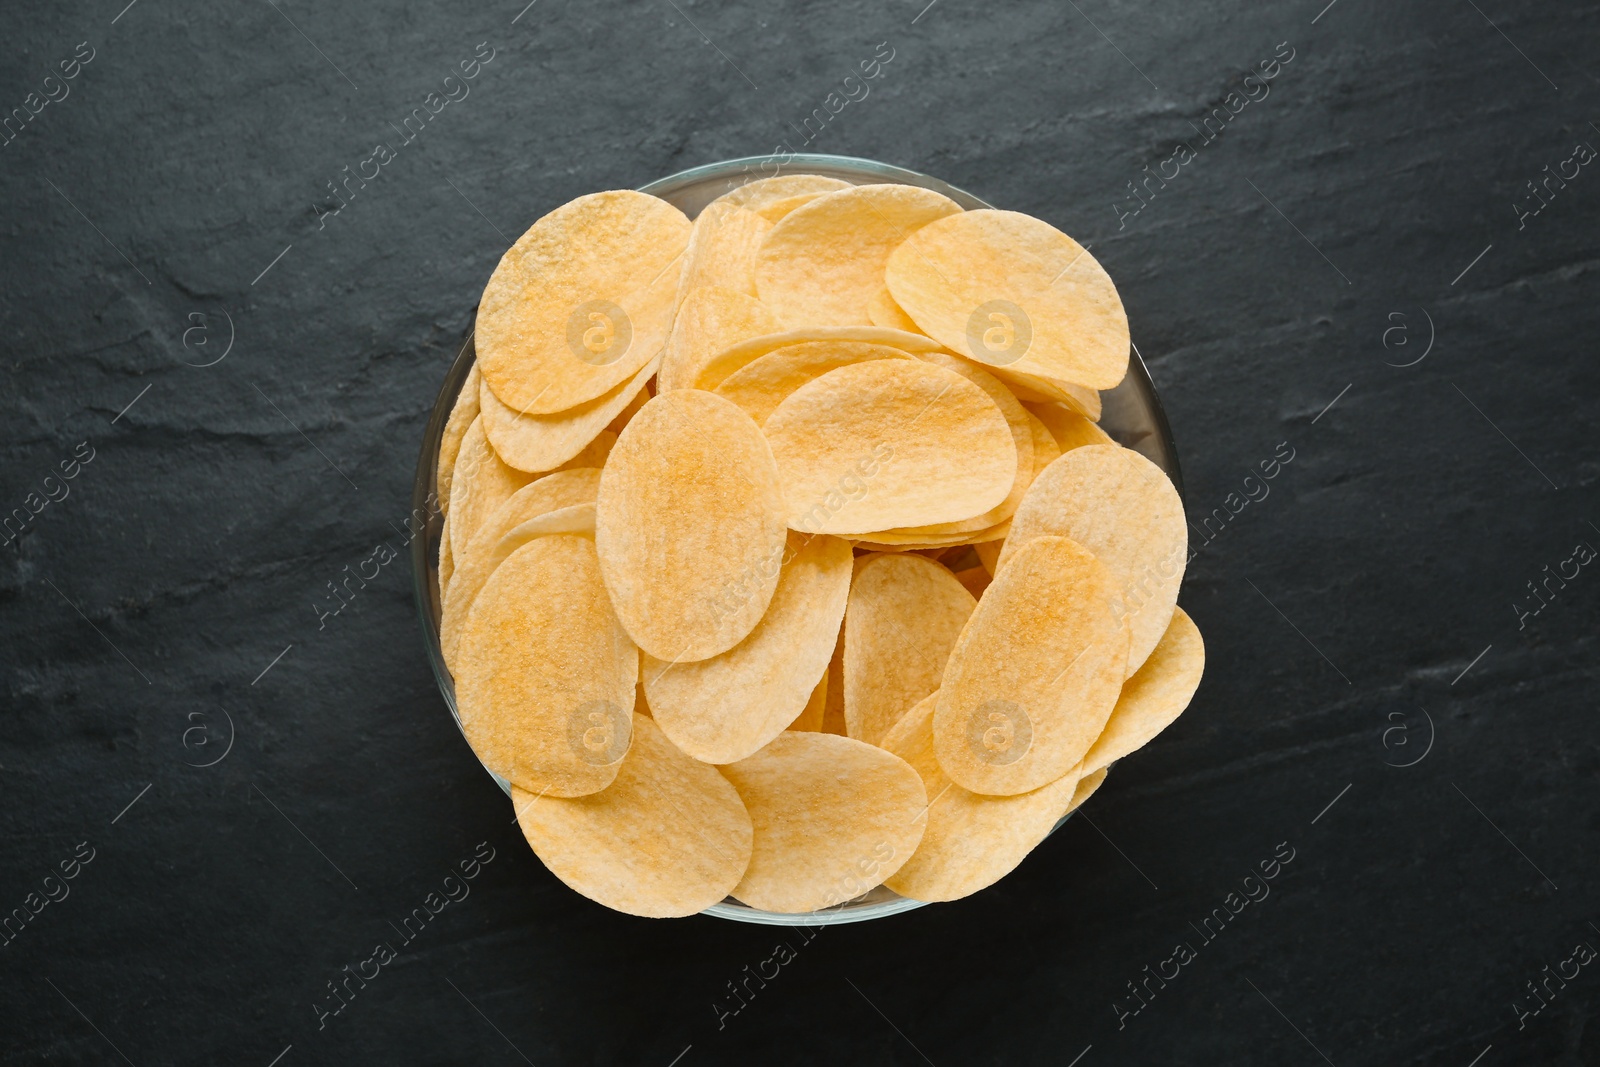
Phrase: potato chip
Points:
(1121, 507)
(883, 311)
(901, 541)
(735, 356)
(689, 525)
(1008, 290)
(447, 560)
(989, 555)
(595, 452)
(546, 674)
(709, 321)
(761, 385)
(462, 413)
(1035, 673)
(1069, 428)
(810, 717)
(889, 443)
(1086, 789)
(823, 261)
(1030, 388)
(724, 708)
(777, 209)
(832, 818)
(669, 837)
(1155, 695)
(904, 617)
(722, 249)
(482, 482)
(536, 443)
(763, 194)
(972, 840)
(581, 302)
(1045, 449)
(639, 400)
(833, 693)
(492, 543)
(974, 580)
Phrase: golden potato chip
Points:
(455, 427)
(595, 452)
(810, 717)
(545, 674)
(1030, 388)
(883, 311)
(709, 321)
(824, 260)
(1069, 428)
(1045, 449)
(669, 837)
(689, 525)
(724, 708)
(904, 616)
(832, 817)
(1086, 789)
(581, 302)
(1121, 507)
(763, 194)
(900, 541)
(536, 443)
(1009, 290)
(972, 840)
(482, 482)
(730, 359)
(639, 400)
(722, 249)
(889, 443)
(777, 209)
(761, 385)
(1155, 695)
(447, 560)
(1035, 673)
(989, 555)
(553, 494)
(974, 580)
(833, 694)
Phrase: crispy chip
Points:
(972, 840)
(1155, 695)
(455, 427)
(989, 555)
(730, 359)
(777, 209)
(810, 717)
(1009, 290)
(763, 194)
(689, 525)
(899, 541)
(669, 837)
(1035, 673)
(595, 452)
(1121, 507)
(883, 311)
(489, 547)
(1030, 388)
(889, 443)
(761, 385)
(536, 443)
(824, 260)
(833, 695)
(1086, 789)
(1069, 428)
(581, 302)
(724, 708)
(447, 560)
(709, 321)
(547, 675)
(482, 482)
(1045, 449)
(832, 817)
(974, 580)
(904, 617)
(722, 249)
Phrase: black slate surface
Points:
(1374, 704)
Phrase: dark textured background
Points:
(1348, 603)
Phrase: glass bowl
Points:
(1131, 414)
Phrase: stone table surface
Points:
(1356, 277)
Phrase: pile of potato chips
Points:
(783, 555)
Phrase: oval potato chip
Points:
(903, 619)
(481, 483)
(709, 321)
(544, 672)
(883, 311)
(1035, 673)
(889, 443)
(1010, 290)
(810, 717)
(722, 249)
(462, 413)
(764, 193)
(581, 301)
(1121, 507)
(536, 443)
(761, 385)
(689, 525)
(971, 840)
(1156, 694)
(724, 708)
(447, 561)
(732, 358)
(1071, 429)
(832, 817)
(824, 260)
(1031, 388)
(669, 837)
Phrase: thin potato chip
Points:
(898, 541)
(482, 482)
(1069, 428)
(833, 695)
(595, 452)
(709, 321)
(764, 193)
(883, 311)
(724, 708)
(1009, 290)
(1034, 674)
(1045, 449)
(730, 359)
(536, 443)
(689, 525)
(1031, 388)
(546, 674)
(832, 818)
(447, 559)
(904, 617)
(462, 413)
(972, 840)
(669, 837)
(1155, 695)
(581, 302)
(761, 385)
(722, 249)
(1121, 507)
(1087, 785)
(776, 210)
(810, 717)
(824, 260)
(889, 443)
(974, 580)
